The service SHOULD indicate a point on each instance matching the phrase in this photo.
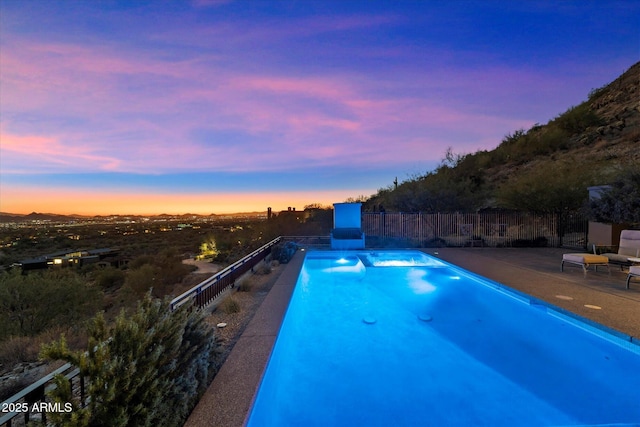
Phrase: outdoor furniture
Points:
(634, 271)
(629, 247)
(585, 260)
(347, 226)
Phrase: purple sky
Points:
(218, 106)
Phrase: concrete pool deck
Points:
(599, 296)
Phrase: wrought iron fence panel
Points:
(493, 229)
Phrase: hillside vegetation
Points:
(545, 168)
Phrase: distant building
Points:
(32, 264)
(73, 258)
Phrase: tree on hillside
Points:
(552, 188)
(456, 185)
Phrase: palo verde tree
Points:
(147, 369)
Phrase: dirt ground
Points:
(258, 285)
(204, 267)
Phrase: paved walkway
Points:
(599, 296)
(228, 399)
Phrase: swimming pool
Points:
(401, 338)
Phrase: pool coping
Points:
(229, 398)
(619, 338)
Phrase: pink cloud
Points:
(33, 154)
(316, 120)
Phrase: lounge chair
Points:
(347, 222)
(634, 271)
(629, 248)
(585, 260)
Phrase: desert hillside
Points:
(588, 144)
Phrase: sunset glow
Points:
(224, 106)
(107, 203)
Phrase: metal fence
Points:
(31, 404)
(495, 229)
(205, 292)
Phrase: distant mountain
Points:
(37, 216)
(6, 217)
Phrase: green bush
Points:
(621, 202)
(552, 187)
(142, 278)
(262, 269)
(230, 305)
(246, 285)
(109, 278)
(577, 119)
(148, 369)
(18, 349)
(32, 303)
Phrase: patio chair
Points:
(634, 271)
(347, 226)
(585, 260)
(629, 248)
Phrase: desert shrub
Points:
(284, 252)
(577, 119)
(35, 302)
(141, 279)
(245, 285)
(158, 272)
(230, 305)
(109, 278)
(262, 268)
(141, 261)
(621, 202)
(552, 187)
(552, 139)
(147, 369)
(19, 349)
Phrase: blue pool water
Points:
(404, 339)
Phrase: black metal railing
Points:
(208, 290)
(30, 404)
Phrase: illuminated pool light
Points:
(397, 259)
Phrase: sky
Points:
(220, 106)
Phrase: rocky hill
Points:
(589, 144)
(611, 141)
